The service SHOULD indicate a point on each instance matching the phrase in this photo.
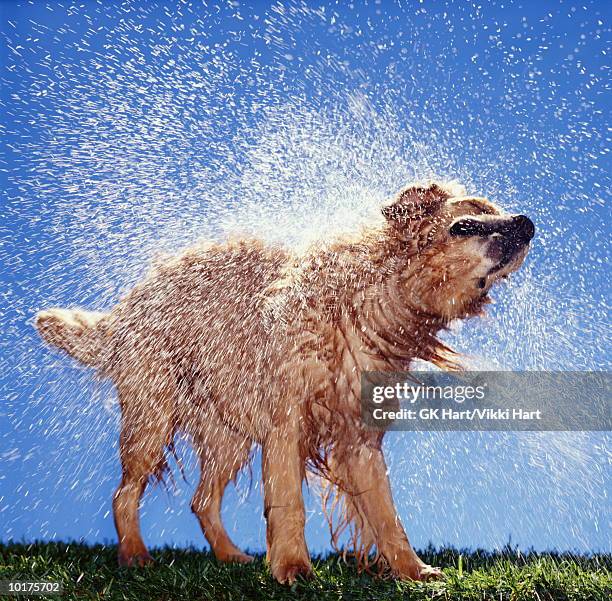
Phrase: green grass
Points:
(91, 572)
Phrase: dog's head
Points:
(457, 247)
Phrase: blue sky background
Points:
(131, 128)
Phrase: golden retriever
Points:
(242, 342)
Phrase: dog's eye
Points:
(471, 227)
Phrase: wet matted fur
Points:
(242, 342)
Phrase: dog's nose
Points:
(523, 228)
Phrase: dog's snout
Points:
(523, 227)
(518, 228)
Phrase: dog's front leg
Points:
(364, 471)
(283, 472)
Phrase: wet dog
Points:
(244, 343)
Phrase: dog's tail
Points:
(84, 335)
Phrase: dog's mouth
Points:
(504, 250)
(507, 240)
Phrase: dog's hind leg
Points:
(146, 430)
(221, 457)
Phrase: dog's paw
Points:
(418, 571)
(238, 557)
(287, 572)
(138, 560)
(427, 573)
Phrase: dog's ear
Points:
(417, 201)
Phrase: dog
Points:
(242, 343)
